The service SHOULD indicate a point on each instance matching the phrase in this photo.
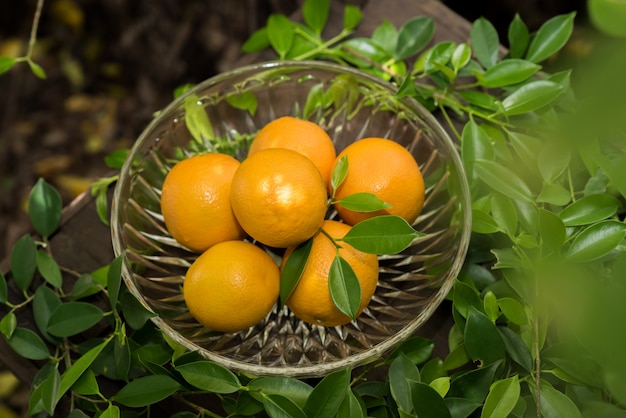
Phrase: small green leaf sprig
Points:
(379, 235)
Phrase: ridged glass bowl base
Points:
(350, 105)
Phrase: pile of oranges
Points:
(238, 213)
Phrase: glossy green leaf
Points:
(513, 310)
(506, 258)
(527, 148)
(551, 37)
(296, 390)
(503, 180)
(401, 373)
(209, 376)
(146, 390)
(483, 222)
(554, 194)
(351, 407)
(438, 57)
(352, 16)
(413, 36)
(363, 202)
(45, 301)
(114, 280)
(367, 49)
(461, 56)
(480, 99)
(76, 370)
(28, 344)
(280, 33)
(197, 120)
(596, 241)
(344, 287)
(278, 406)
(518, 37)
(441, 385)
(86, 384)
(485, 42)
(85, 286)
(245, 100)
(116, 158)
(257, 41)
(328, 394)
(77, 413)
(49, 269)
(6, 63)
(112, 411)
(590, 209)
(386, 36)
(531, 97)
(3, 289)
(504, 213)
(417, 349)
(465, 297)
(508, 72)
(135, 313)
(555, 404)
(8, 323)
(427, 402)
(502, 398)
(552, 231)
(48, 390)
(37, 69)
(456, 358)
(340, 171)
(490, 306)
(516, 348)
(473, 385)
(293, 268)
(24, 261)
(384, 234)
(72, 318)
(553, 160)
(482, 339)
(460, 407)
(315, 14)
(475, 145)
(44, 208)
(528, 215)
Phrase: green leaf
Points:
(363, 202)
(385, 234)
(296, 390)
(465, 297)
(28, 344)
(351, 407)
(340, 171)
(197, 120)
(4, 296)
(44, 208)
(36, 69)
(460, 407)
(482, 339)
(6, 63)
(85, 286)
(516, 348)
(508, 72)
(76, 370)
(427, 402)
(551, 37)
(504, 213)
(116, 159)
(112, 411)
(490, 306)
(473, 385)
(483, 223)
(416, 349)
(513, 310)
(475, 145)
(24, 261)
(554, 194)
(328, 394)
(77, 413)
(503, 180)
(552, 231)
(441, 385)
(461, 56)
(278, 406)
(531, 97)
(596, 241)
(352, 16)
(401, 373)
(72, 318)
(146, 390)
(45, 301)
(438, 57)
(280, 33)
(502, 398)
(315, 14)
(135, 313)
(293, 268)
(245, 100)
(344, 287)
(590, 209)
(49, 269)
(209, 376)
(258, 41)
(413, 36)
(114, 279)
(553, 160)
(386, 36)
(8, 325)
(485, 42)
(518, 37)
(86, 384)
(480, 99)
(527, 148)
(555, 404)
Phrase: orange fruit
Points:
(195, 201)
(386, 169)
(303, 136)
(278, 197)
(310, 301)
(231, 286)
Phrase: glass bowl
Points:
(350, 105)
